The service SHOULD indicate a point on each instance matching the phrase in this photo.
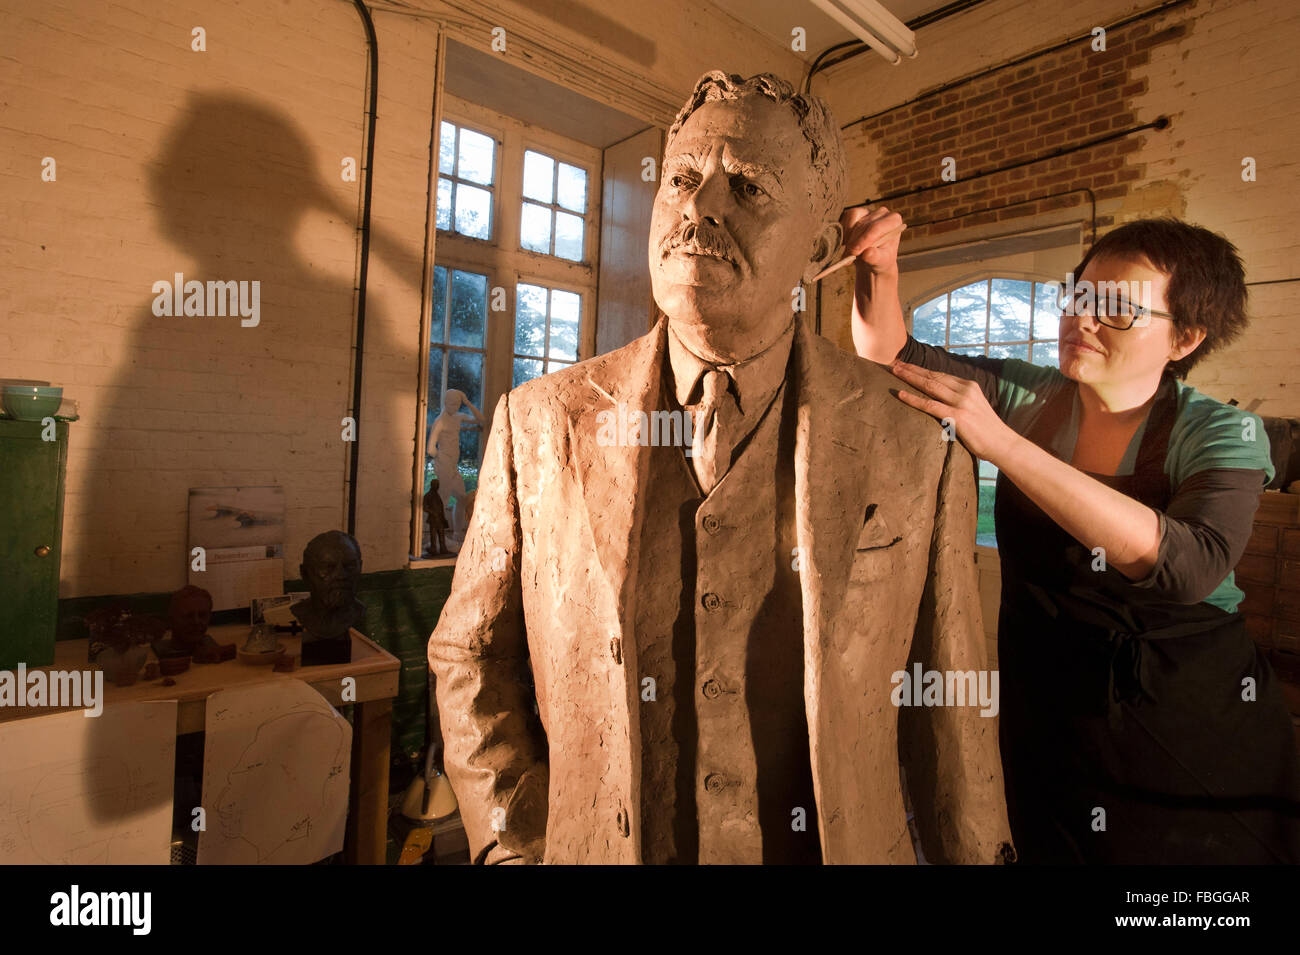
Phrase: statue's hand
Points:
(500, 855)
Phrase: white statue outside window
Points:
(443, 446)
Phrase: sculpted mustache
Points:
(701, 241)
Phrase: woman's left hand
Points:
(960, 402)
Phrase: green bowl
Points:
(31, 402)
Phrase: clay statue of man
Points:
(443, 445)
(713, 639)
(331, 567)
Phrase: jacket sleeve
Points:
(494, 749)
(949, 753)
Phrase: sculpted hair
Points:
(1207, 283)
(320, 540)
(815, 122)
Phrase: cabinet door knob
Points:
(43, 551)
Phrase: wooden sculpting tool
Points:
(849, 258)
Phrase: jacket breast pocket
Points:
(878, 549)
(877, 531)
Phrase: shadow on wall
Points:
(244, 377)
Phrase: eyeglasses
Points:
(1111, 311)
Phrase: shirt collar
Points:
(756, 379)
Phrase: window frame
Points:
(988, 276)
(498, 138)
(530, 144)
(947, 287)
(550, 286)
(447, 346)
(505, 263)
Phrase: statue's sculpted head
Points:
(331, 567)
(190, 612)
(453, 400)
(749, 199)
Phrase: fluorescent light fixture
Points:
(873, 25)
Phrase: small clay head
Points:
(190, 614)
(331, 566)
(453, 400)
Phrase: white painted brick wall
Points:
(173, 403)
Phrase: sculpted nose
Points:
(693, 220)
(706, 203)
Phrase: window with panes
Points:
(526, 288)
(999, 317)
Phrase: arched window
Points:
(998, 316)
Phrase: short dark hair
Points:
(1207, 282)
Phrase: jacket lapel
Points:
(831, 467)
(612, 474)
(833, 443)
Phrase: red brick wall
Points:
(1225, 73)
(1016, 113)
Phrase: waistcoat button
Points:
(714, 783)
(712, 690)
(712, 601)
(711, 523)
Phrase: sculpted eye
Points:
(750, 190)
(678, 180)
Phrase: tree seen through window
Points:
(998, 318)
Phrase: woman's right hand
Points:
(873, 236)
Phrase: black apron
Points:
(1124, 735)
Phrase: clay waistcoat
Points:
(725, 773)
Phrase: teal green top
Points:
(1206, 434)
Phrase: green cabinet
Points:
(31, 531)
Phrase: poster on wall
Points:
(228, 518)
(241, 533)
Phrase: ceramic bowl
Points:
(31, 402)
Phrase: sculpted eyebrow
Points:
(767, 176)
(683, 159)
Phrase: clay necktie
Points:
(716, 419)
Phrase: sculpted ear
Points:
(826, 246)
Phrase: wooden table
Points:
(374, 669)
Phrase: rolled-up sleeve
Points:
(1203, 532)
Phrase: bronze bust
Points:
(331, 566)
